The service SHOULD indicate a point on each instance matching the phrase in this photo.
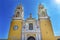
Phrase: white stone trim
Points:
(44, 17)
(17, 18)
(35, 29)
(30, 31)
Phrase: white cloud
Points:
(57, 2)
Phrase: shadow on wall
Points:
(58, 39)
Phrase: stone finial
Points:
(41, 6)
(30, 15)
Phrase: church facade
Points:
(31, 29)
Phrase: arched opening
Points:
(58, 39)
(31, 38)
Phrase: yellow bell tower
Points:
(16, 24)
(45, 24)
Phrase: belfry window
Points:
(17, 14)
(18, 7)
(30, 26)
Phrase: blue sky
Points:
(7, 9)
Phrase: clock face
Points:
(15, 27)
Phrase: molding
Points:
(44, 17)
(31, 31)
(17, 18)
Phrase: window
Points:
(15, 27)
(30, 26)
(17, 15)
(18, 12)
(18, 8)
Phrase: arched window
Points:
(30, 26)
(31, 38)
(58, 39)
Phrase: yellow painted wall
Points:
(57, 37)
(46, 29)
(15, 33)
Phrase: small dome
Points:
(20, 6)
(41, 6)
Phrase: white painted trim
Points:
(31, 31)
(44, 17)
(17, 18)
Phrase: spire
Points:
(20, 2)
(42, 12)
(30, 15)
(41, 6)
(20, 5)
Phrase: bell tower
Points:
(42, 11)
(45, 24)
(15, 32)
